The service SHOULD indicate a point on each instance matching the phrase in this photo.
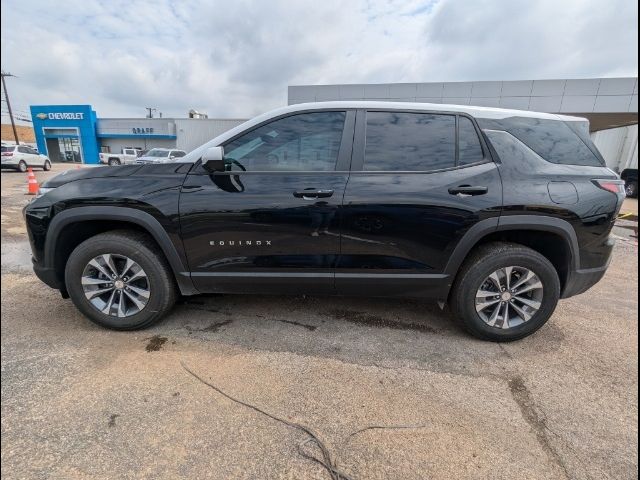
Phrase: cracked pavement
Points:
(81, 401)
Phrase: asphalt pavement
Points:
(391, 389)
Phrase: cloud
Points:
(236, 58)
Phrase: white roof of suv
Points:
(477, 112)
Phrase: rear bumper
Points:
(579, 281)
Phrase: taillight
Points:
(613, 186)
(7, 154)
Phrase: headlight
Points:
(42, 191)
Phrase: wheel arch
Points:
(70, 227)
(552, 237)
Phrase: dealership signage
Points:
(61, 116)
(142, 130)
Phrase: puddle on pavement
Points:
(155, 343)
(370, 320)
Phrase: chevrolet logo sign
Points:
(42, 116)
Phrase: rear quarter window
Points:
(553, 140)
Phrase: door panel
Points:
(237, 240)
(400, 228)
(267, 231)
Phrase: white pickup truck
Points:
(128, 155)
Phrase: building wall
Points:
(51, 122)
(619, 147)
(592, 95)
(131, 126)
(143, 143)
(193, 132)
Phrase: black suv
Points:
(498, 212)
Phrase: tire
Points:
(114, 161)
(47, 166)
(141, 249)
(474, 273)
(22, 166)
(631, 188)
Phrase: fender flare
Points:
(177, 261)
(487, 226)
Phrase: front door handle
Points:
(468, 190)
(312, 194)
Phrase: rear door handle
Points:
(468, 190)
(312, 194)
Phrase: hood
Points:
(94, 172)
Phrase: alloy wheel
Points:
(509, 297)
(115, 285)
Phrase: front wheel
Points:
(118, 281)
(47, 166)
(505, 292)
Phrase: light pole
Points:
(6, 96)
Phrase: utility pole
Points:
(6, 96)
(151, 110)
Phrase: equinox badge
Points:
(247, 243)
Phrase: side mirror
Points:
(213, 159)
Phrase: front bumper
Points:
(47, 275)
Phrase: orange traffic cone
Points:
(33, 183)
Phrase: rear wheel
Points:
(47, 166)
(119, 281)
(114, 161)
(631, 188)
(22, 166)
(505, 292)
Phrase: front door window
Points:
(307, 142)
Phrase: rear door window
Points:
(399, 141)
(470, 149)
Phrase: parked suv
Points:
(498, 213)
(21, 157)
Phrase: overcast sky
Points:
(236, 58)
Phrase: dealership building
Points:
(76, 133)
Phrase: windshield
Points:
(157, 153)
(7, 149)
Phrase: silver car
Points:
(161, 155)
